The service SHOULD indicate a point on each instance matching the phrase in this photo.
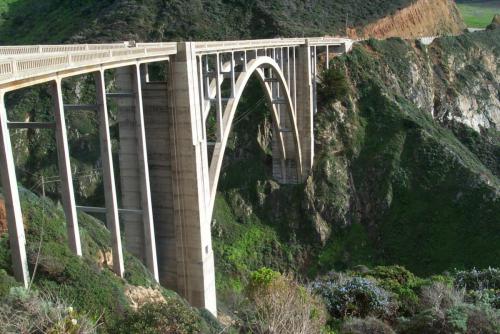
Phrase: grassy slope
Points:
(84, 283)
(478, 14)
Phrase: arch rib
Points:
(254, 65)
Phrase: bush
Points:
(333, 85)
(6, 283)
(482, 286)
(464, 319)
(440, 297)
(347, 296)
(478, 279)
(366, 326)
(404, 284)
(24, 311)
(172, 317)
(281, 306)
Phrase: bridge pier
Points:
(158, 120)
(195, 259)
(305, 106)
(134, 170)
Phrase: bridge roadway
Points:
(170, 149)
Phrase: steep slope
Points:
(422, 18)
(421, 182)
(87, 283)
(23, 21)
(404, 173)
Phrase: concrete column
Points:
(129, 165)
(112, 218)
(158, 131)
(12, 203)
(67, 193)
(147, 209)
(134, 170)
(195, 261)
(305, 108)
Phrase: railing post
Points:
(67, 193)
(147, 209)
(12, 202)
(112, 217)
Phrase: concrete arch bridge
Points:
(169, 167)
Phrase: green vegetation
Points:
(85, 283)
(478, 14)
(376, 301)
(26, 311)
(50, 21)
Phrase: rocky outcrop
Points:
(3, 218)
(422, 18)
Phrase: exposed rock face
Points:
(473, 76)
(495, 23)
(139, 295)
(423, 18)
(3, 218)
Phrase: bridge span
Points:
(172, 136)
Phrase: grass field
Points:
(478, 14)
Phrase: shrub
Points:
(463, 318)
(6, 283)
(478, 279)
(172, 317)
(366, 326)
(482, 286)
(354, 296)
(24, 311)
(402, 283)
(282, 306)
(440, 297)
(333, 85)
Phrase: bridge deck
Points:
(26, 65)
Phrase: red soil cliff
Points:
(422, 18)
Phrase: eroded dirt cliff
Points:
(422, 18)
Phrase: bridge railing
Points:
(39, 49)
(37, 63)
(203, 47)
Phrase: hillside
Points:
(87, 284)
(24, 21)
(422, 18)
(407, 168)
(407, 172)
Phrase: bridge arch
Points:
(258, 67)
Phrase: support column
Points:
(67, 193)
(12, 203)
(195, 261)
(305, 106)
(158, 133)
(142, 152)
(134, 170)
(112, 218)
